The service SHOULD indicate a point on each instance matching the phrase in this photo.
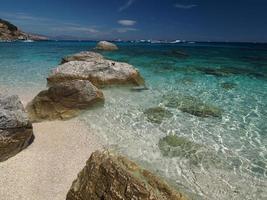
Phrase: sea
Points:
(200, 123)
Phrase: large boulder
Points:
(100, 72)
(64, 100)
(110, 177)
(106, 46)
(15, 128)
(82, 56)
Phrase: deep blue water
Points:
(230, 76)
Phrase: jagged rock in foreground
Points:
(82, 56)
(100, 72)
(15, 129)
(64, 100)
(9, 32)
(106, 46)
(110, 177)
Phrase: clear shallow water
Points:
(234, 165)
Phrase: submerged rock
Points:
(64, 100)
(196, 154)
(173, 146)
(186, 81)
(100, 72)
(82, 56)
(107, 46)
(179, 54)
(157, 114)
(192, 106)
(228, 85)
(230, 71)
(110, 177)
(139, 88)
(15, 128)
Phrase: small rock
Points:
(157, 114)
(228, 85)
(192, 106)
(106, 46)
(139, 88)
(173, 146)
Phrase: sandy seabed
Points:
(47, 168)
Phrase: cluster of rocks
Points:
(73, 85)
(72, 88)
(185, 103)
(15, 128)
(10, 32)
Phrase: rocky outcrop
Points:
(15, 128)
(82, 56)
(110, 177)
(99, 71)
(64, 100)
(106, 46)
(9, 32)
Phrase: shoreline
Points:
(47, 168)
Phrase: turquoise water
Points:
(232, 160)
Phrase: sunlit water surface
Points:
(233, 162)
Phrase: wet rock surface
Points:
(109, 177)
(15, 128)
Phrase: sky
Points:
(192, 20)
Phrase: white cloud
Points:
(125, 22)
(183, 6)
(126, 5)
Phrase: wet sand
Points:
(46, 169)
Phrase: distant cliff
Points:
(10, 32)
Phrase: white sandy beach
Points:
(47, 168)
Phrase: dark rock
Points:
(175, 146)
(64, 100)
(110, 177)
(139, 88)
(231, 71)
(15, 128)
(186, 81)
(192, 106)
(157, 114)
(196, 154)
(179, 54)
(228, 85)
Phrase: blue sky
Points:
(201, 20)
